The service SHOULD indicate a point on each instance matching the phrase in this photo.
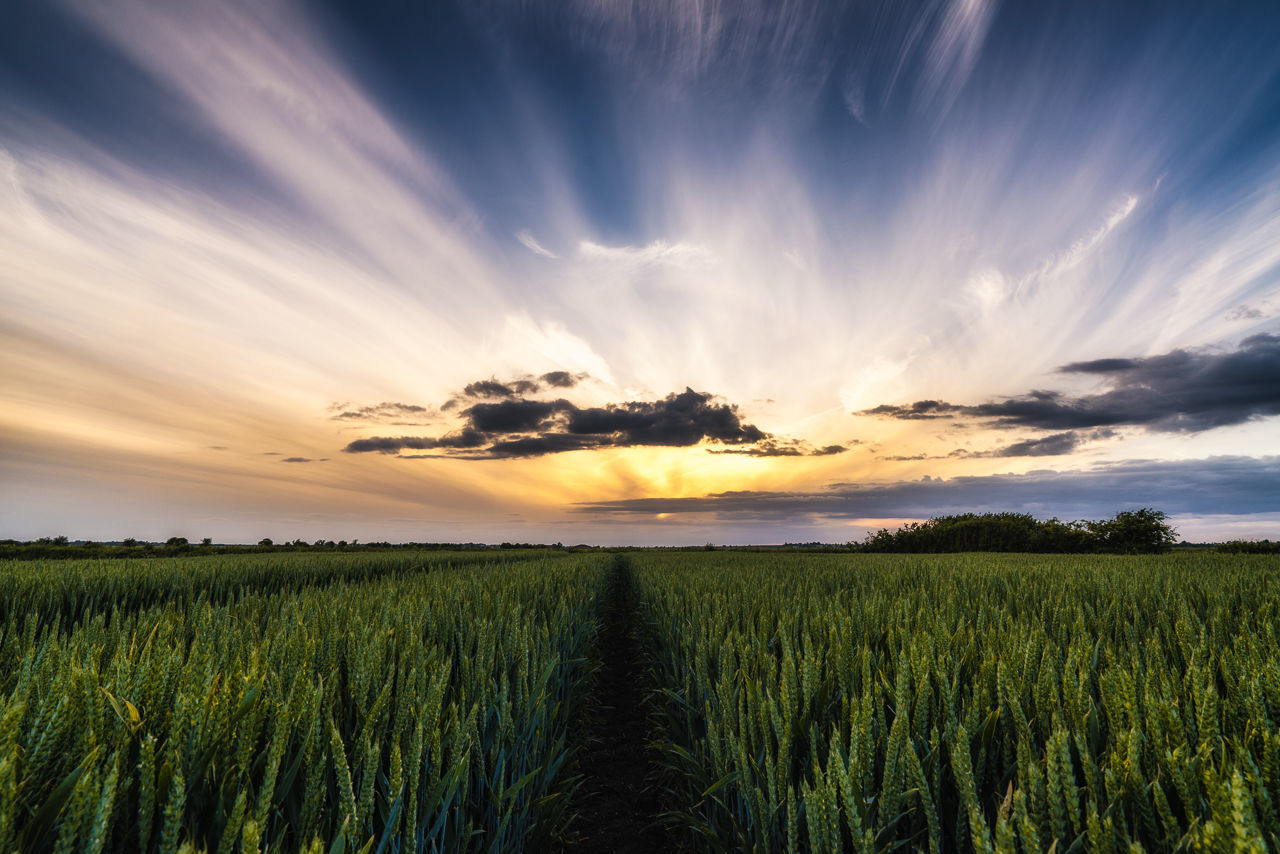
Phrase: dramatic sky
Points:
(657, 271)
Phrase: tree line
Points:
(54, 548)
(1144, 531)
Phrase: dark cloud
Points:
(304, 460)
(1052, 445)
(520, 387)
(546, 443)
(1100, 366)
(386, 412)
(515, 416)
(677, 420)
(493, 388)
(536, 445)
(920, 410)
(1217, 485)
(523, 427)
(958, 452)
(763, 451)
(1181, 391)
(562, 379)
(1244, 312)
(782, 448)
(466, 438)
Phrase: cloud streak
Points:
(775, 447)
(527, 239)
(1053, 445)
(388, 412)
(269, 82)
(928, 49)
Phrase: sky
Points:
(659, 272)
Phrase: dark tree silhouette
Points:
(1142, 531)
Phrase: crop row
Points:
(425, 713)
(973, 702)
(66, 591)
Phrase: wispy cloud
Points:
(922, 53)
(788, 51)
(954, 50)
(1063, 262)
(527, 239)
(266, 81)
(776, 447)
(658, 252)
(387, 412)
(1053, 445)
(1245, 312)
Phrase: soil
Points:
(617, 803)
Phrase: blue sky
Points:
(262, 259)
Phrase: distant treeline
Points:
(1144, 531)
(53, 548)
(1250, 547)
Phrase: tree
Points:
(176, 542)
(207, 541)
(265, 541)
(1144, 531)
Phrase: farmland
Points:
(433, 701)
(974, 702)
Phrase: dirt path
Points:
(617, 801)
